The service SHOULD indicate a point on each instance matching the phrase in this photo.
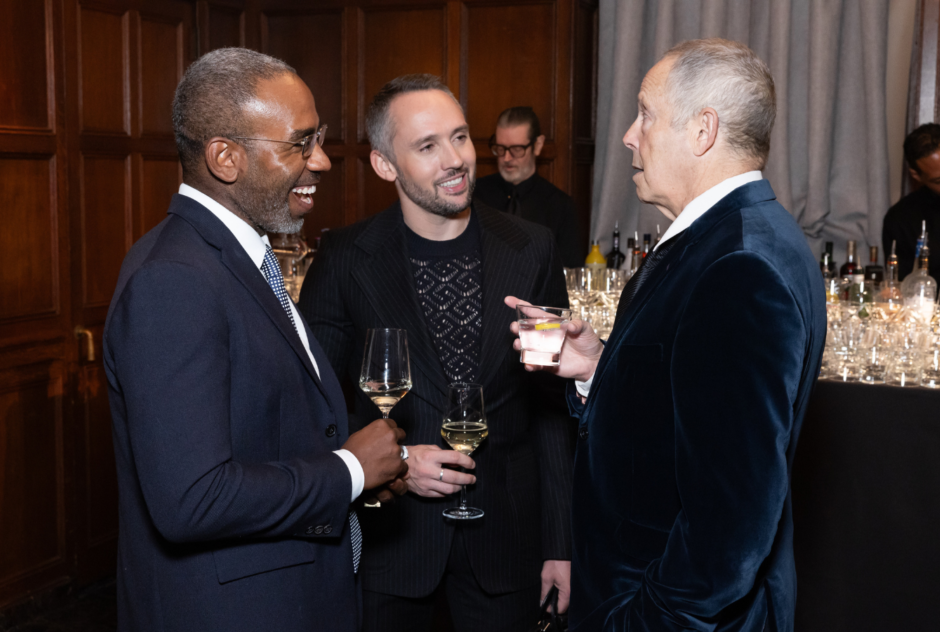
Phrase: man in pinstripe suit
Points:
(439, 267)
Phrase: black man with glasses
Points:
(237, 473)
(518, 188)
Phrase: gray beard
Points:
(432, 202)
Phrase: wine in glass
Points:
(386, 371)
(464, 429)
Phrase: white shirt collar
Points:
(253, 243)
(700, 205)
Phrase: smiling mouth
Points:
(305, 194)
(454, 184)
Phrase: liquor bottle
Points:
(646, 244)
(636, 257)
(615, 258)
(596, 263)
(833, 268)
(831, 283)
(920, 241)
(919, 289)
(658, 237)
(848, 268)
(874, 271)
(891, 288)
(891, 265)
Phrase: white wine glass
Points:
(464, 429)
(386, 370)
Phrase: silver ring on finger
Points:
(441, 477)
(404, 453)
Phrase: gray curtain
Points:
(828, 160)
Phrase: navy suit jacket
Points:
(682, 513)
(233, 508)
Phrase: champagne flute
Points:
(464, 429)
(386, 371)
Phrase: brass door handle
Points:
(87, 341)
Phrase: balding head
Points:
(211, 98)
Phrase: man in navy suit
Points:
(236, 471)
(689, 416)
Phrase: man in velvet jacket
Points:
(438, 266)
(682, 512)
(236, 471)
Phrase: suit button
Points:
(309, 531)
(583, 432)
(331, 430)
(327, 530)
(318, 530)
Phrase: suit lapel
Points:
(234, 257)
(387, 280)
(744, 196)
(505, 273)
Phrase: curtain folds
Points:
(828, 160)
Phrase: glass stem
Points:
(463, 497)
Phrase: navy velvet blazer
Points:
(233, 508)
(682, 513)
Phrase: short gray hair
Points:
(211, 97)
(378, 124)
(730, 78)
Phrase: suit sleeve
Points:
(169, 344)
(554, 431)
(736, 367)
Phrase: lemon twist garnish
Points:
(542, 326)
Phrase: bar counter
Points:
(866, 502)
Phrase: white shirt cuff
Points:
(355, 472)
(584, 388)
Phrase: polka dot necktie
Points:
(271, 270)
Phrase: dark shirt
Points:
(541, 202)
(449, 281)
(903, 223)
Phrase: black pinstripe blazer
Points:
(361, 279)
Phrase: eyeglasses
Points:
(306, 143)
(516, 151)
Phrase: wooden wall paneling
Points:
(219, 25)
(26, 66)
(507, 66)
(103, 70)
(105, 224)
(29, 250)
(353, 116)
(389, 48)
(584, 108)
(161, 62)
(160, 178)
(312, 42)
(32, 477)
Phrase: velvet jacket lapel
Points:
(744, 196)
(234, 257)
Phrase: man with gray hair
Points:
(689, 416)
(236, 470)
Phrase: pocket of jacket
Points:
(244, 560)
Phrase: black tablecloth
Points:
(866, 503)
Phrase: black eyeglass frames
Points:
(306, 143)
(516, 151)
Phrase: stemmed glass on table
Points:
(386, 370)
(464, 429)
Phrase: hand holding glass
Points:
(386, 371)
(464, 429)
(541, 333)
